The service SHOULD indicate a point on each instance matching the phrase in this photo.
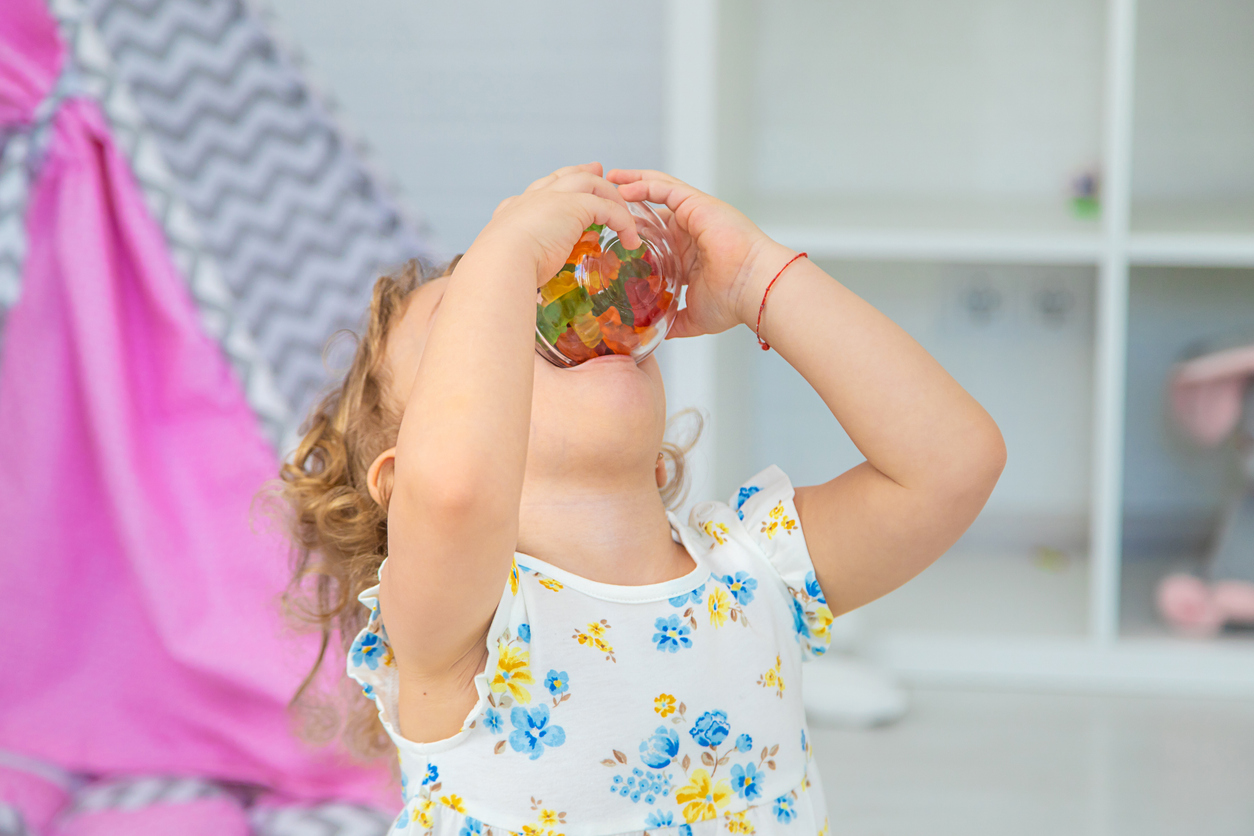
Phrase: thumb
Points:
(683, 326)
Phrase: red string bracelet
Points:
(757, 329)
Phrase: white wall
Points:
(467, 103)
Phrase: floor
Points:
(1018, 764)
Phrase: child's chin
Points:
(609, 393)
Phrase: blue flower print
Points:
(741, 586)
(557, 682)
(472, 827)
(813, 589)
(744, 743)
(685, 830)
(743, 496)
(711, 729)
(524, 632)
(404, 786)
(799, 620)
(367, 650)
(368, 690)
(746, 781)
(642, 786)
(532, 731)
(694, 597)
(671, 634)
(492, 721)
(658, 751)
(784, 812)
(659, 819)
(433, 775)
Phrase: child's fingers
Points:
(670, 193)
(622, 176)
(600, 210)
(592, 168)
(586, 181)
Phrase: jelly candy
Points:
(607, 299)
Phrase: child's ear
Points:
(379, 476)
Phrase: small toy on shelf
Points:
(607, 299)
(1212, 398)
(1086, 194)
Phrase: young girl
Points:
(552, 652)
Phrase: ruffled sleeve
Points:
(764, 505)
(373, 665)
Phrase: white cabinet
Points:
(927, 153)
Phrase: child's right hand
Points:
(549, 216)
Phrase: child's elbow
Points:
(986, 457)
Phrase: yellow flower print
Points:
(548, 818)
(593, 638)
(774, 679)
(820, 622)
(701, 797)
(454, 802)
(388, 659)
(823, 831)
(719, 604)
(777, 521)
(737, 823)
(549, 583)
(532, 830)
(513, 577)
(421, 814)
(715, 531)
(664, 705)
(512, 673)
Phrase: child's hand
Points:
(548, 218)
(718, 246)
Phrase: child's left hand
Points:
(724, 254)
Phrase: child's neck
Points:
(613, 533)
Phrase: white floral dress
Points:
(673, 708)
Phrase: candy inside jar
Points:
(607, 299)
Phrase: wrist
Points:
(765, 260)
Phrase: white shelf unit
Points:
(913, 146)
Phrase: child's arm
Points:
(933, 454)
(459, 459)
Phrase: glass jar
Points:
(607, 299)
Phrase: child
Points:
(561, 655)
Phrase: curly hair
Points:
(339, 533)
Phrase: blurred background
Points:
(1056, 199)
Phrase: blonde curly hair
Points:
(339, 533)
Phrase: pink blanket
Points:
(138, 624)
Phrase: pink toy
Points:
(1212, 398)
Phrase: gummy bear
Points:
(588, 329)
(643, 304)
(571, 346)
(619, 338)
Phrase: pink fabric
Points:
(201, 817)
(36, 798)
(1207, 393)
(138, 623)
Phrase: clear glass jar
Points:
(610, 300)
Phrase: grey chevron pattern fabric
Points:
(89, 72)
(283, 203)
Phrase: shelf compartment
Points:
(907, 118)
(1174, 490)
(1192, 158)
